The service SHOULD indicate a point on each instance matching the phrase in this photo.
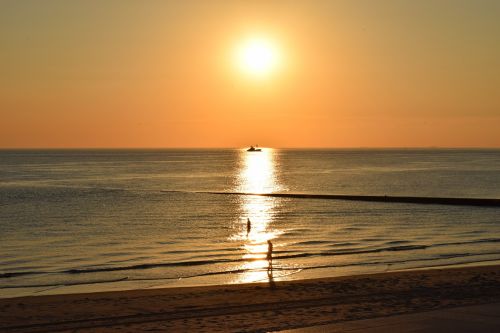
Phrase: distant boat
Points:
(252, 148)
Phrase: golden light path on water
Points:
(257, 174)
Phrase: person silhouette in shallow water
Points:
(270, 254)
(249, 226)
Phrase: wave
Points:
(279, 255)
(65, 284)
(127, 278)
(478, 241)
(314, 242)
(391, 265)
(149, 266)
(16, 274)
(408, 261)
(396, 242)
(344, 244)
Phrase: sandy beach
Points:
(254, 307)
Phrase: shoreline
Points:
(125, 284)
(254, 307)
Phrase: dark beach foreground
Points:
(254, 307)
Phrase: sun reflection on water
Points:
(257, 175)
(257, 172)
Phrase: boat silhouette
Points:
(252, 148)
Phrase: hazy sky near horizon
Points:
(354, 73)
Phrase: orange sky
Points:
(162, 74)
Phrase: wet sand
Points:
(254, 307)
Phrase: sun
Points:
(258, 57)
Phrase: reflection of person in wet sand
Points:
(249, 226)
(270, 267)
(270, 276)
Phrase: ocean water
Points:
(94, 220)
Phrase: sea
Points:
(100, 220)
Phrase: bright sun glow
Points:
(257, 57)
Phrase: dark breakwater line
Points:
(484, 202)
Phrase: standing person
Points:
(270, 254)
(249, 226)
